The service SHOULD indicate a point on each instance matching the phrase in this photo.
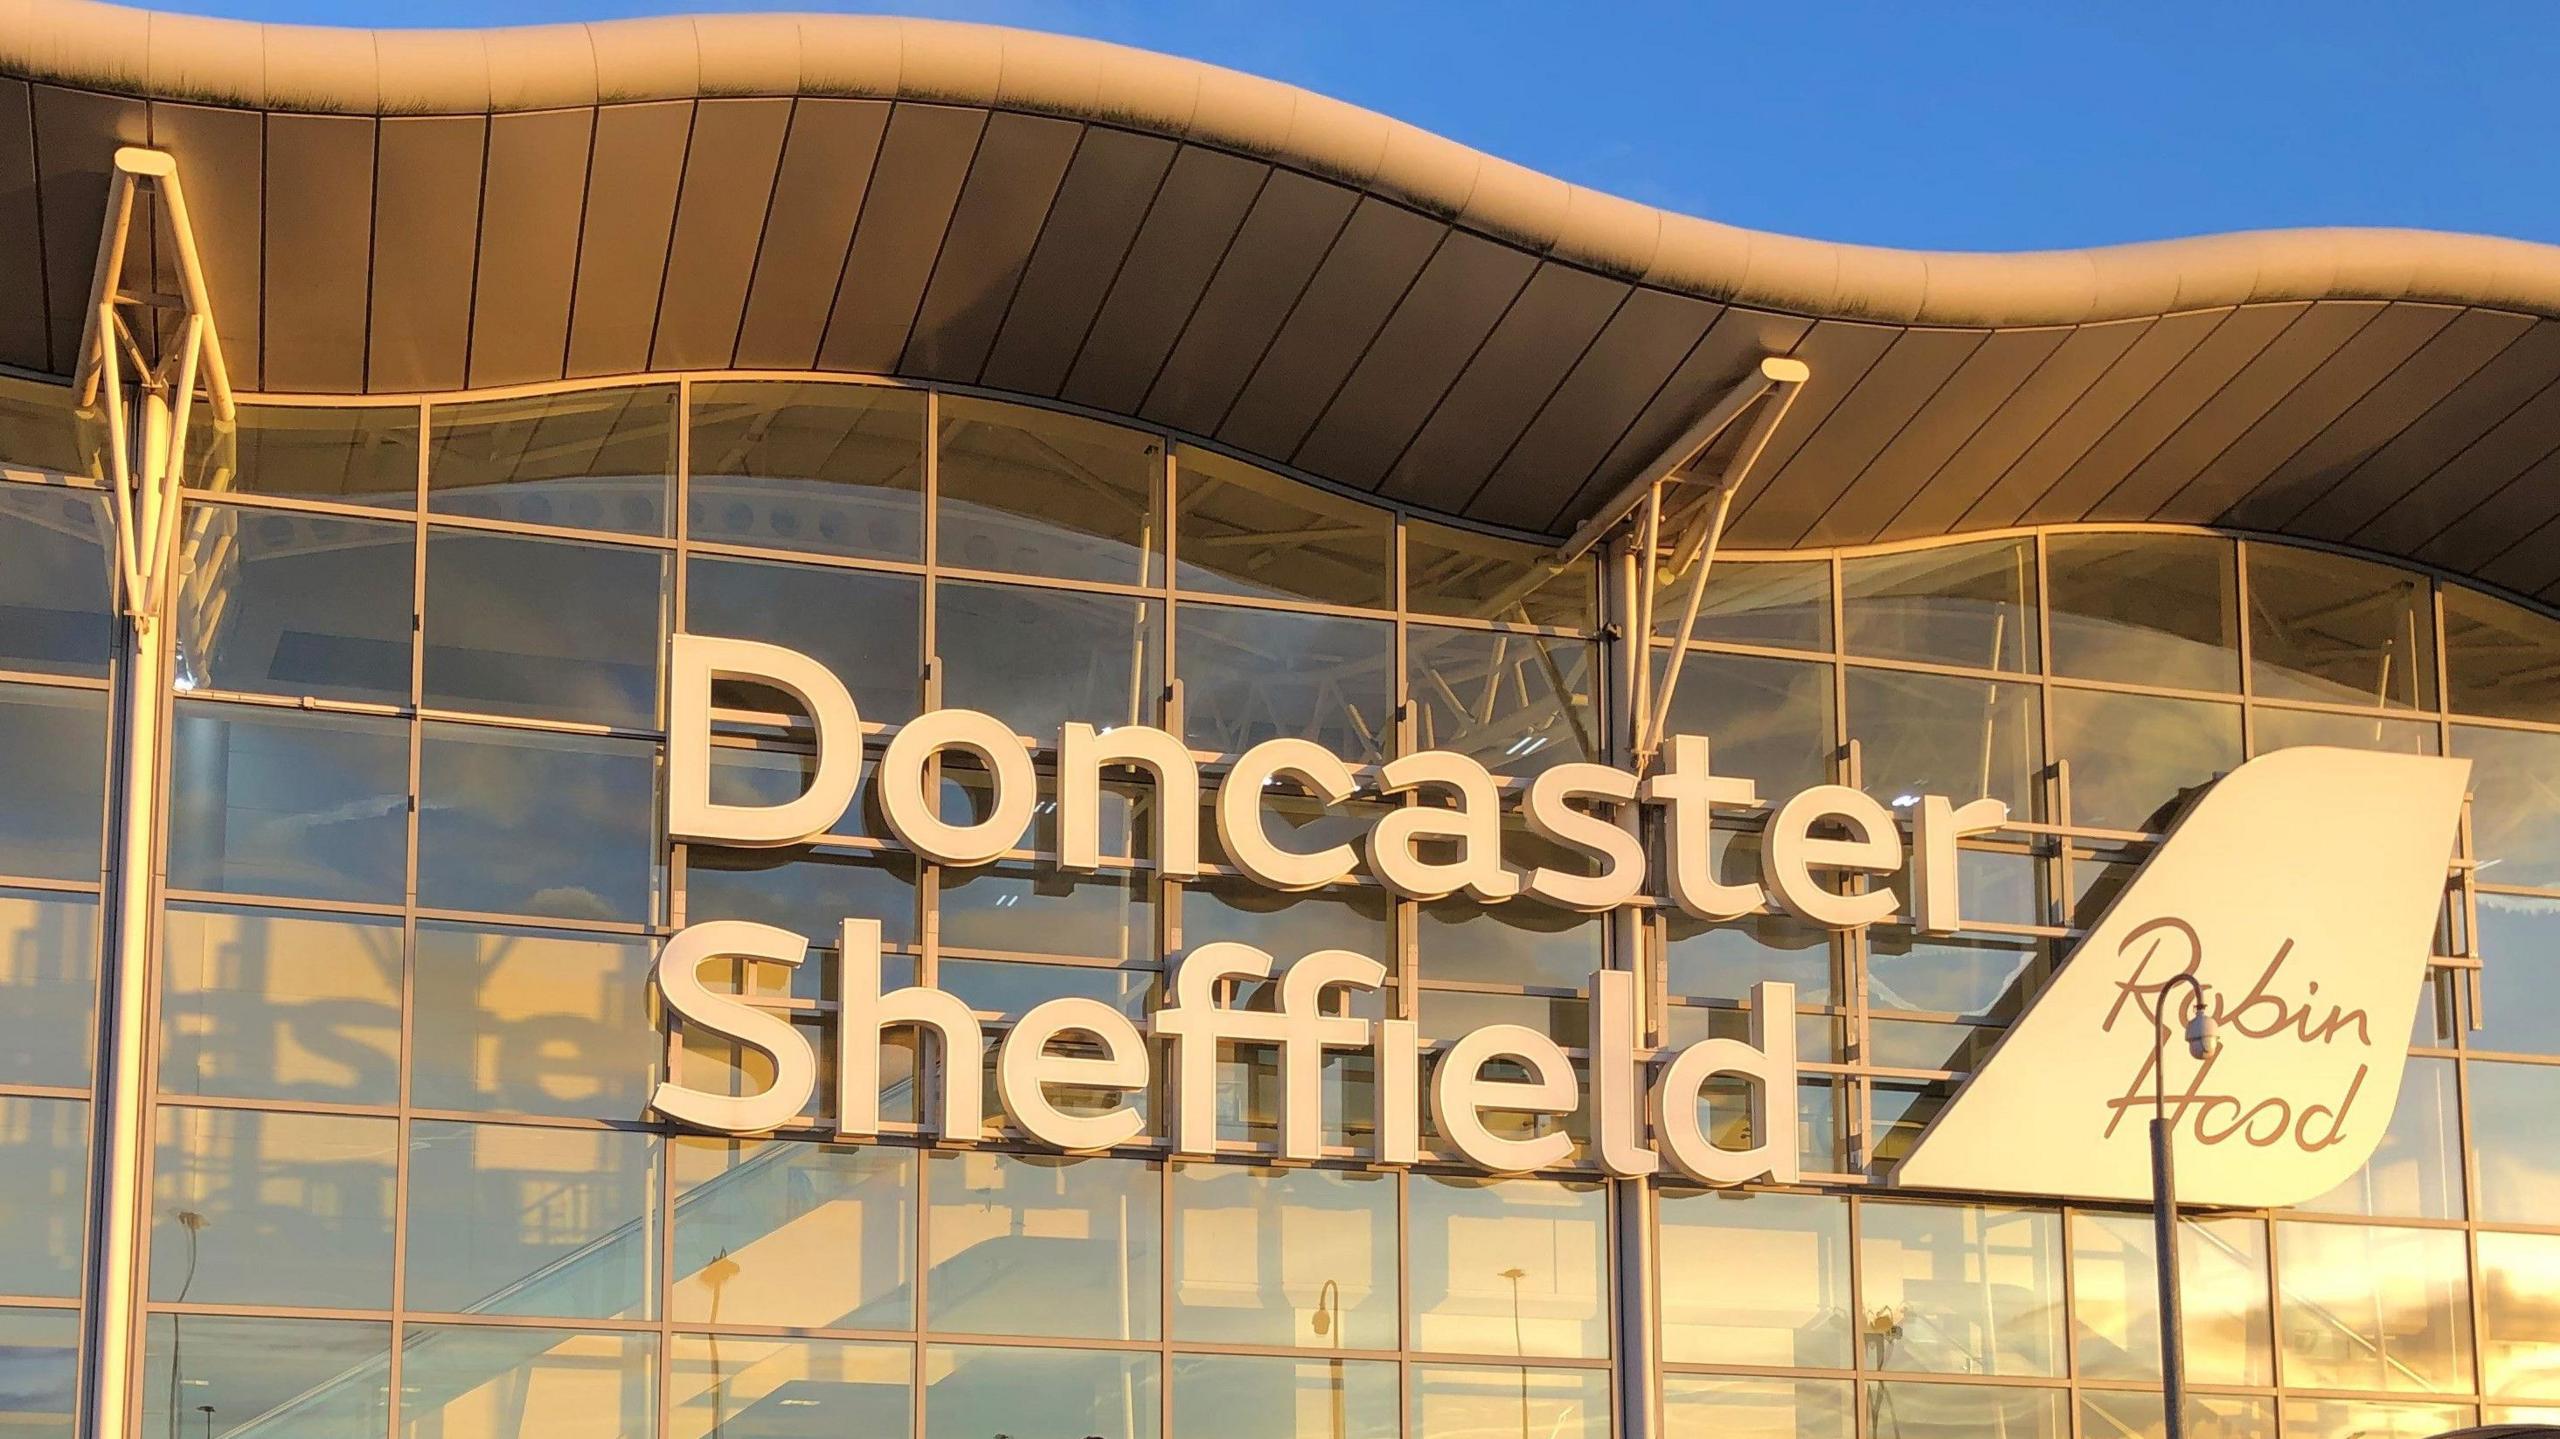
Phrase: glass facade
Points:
(401, 1173)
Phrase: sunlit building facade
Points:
(1242, 440)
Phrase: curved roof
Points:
(1297, 278)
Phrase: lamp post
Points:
(2203, 1043)
(1519, 1343)
(1328, 1322)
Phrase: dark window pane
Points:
(48, 986)
(44, 1189)
(1450, 571)
(1038, 658)
(352, 455)
(1783, 603)
(1723, 961)
(482, 1382)
(589, 459)
(547, 629)
(2346, 631)
(1517, 704)
(1939, 734)
(1768, 720)
(2515, 803)
(2135, 758)
(533, 1021)
(284, 603)
(1252, 675)
(267, 801)
(1287, 926)
(2519, 975)
(1246, 531)
(2144, 609)
(1971, 605)
(1036, 910)
(838, 469)
(802, 890)
(513, 822)
(274, 1004)
(268, 1378)
(861, 625)
(252, 1208)
(40, 429)
(508, 1219)
(2500, 660)
(2513, 1142)
(1518, 943)
(43, 1346)
(57, 592)
(1037, 493)
(53, 758)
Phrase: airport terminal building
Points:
(1360, 549)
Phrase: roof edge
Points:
(312, 69)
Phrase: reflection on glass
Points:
(1978, 978)
(1767, 720)
(532, 1021)
(588, 459)
(1038, 910)
(2347, 631)
(2365, 1307)
(2520, 1314)
(2519, 974)
(1698, 1407)
(1511, 1266)
(1455, 1401)
(800, 890)
(2416, 1172)
(517, 822)
(2222, 1277)
(1755, 1279)
(209, 1375)
(1252, 675)
(2513, 1142)
(1040, 1245)
(265, 801)
(860, 624)
(1971, 605)
(1961, 1289)
(57, 599)
(1286, 926)
(1034, 492)
(778, 1232)
(1937, 734)
(1245, 531)
(41, 428)
(270, 1004)
(280, 603)
(48, 986)
(43, 1346)
(800, 465)
(1784, 604)
(1449, 571)
(1723, 961)
(2515, 803)
(2134, 757)
(1908, 1410)
(44, 1188)
(53, 768)
(2274, 729)
(491, 1383)
(1301, 1258)
(2120, 1414)
(2145, 609)
(972, 1392)
(740, 1387)
(544, 629)
(1036, 659)
(507, 1219)
(251, 1208)
(1240, 1398)
(1010, 990)
(346, 454)
(1518, 704)
(1927, 1044)
(1517, 943)
(2372, 1418)
(2500, 660)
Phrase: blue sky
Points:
(1973, 125)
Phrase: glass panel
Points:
(1695, 1407)
(863, 626)
(1516, 943)
(532, 1021)
(57, 596)
(994, 987)
(1518, 704)
(2222, 1279)
(251, 1208)
(2133, 757)
(1033, 492)
(2145, 609)
(1453, 1401)
(735, 1387)
(2347, 631)
(837, 469)
(2109, 1414)
(802, 891)
(1768, 720)
(207, 1375)
(1252, 675)
(488, 1383)
(1286, 926)
(352, 455)
(811, 1236)
(266, 801)
(44, 1189)
(2513, 1143)
(1239, 530)
(1040, 911)
(1288, 1257)
(38, 1401)
(971, 1393)
(2374, 1308)
(1723, 961)
(2500, 660)
(1038, 658)
(1936, 734)
(2371, 1418)
(2519, 975)
(2515, 803)
(1906, 1410)
(2275, 729)
(1972, 605)
(48, 986)
(1899, 1111)
(1976, 978)
(1239, 1398)
(53, 768)
(1786, 604)
(505, 1219)
(1030, 1244)
(1961, 1289)
(2520, 1314)
(1512, 1266)
(270, 1004)
(590, 459)
(1755, 1279)
(41, 429)
(514, 822)
(1450, 571)
(295, 604)
(2416, 1172)
(544, 629)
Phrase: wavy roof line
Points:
(298, 68)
